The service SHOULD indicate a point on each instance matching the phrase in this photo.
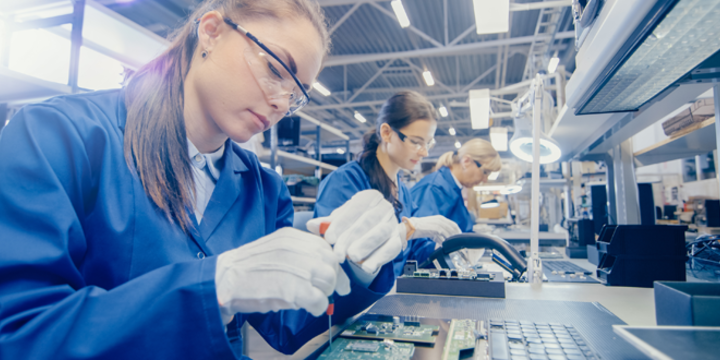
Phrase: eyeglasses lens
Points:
(274, 80)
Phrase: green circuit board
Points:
(351, 349)
(409, 331)
(461, 337)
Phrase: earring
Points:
(204, 54)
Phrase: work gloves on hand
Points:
(436, 227)
(364, 230)
(288, 269)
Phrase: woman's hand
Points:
(364, 229)
(288, 269)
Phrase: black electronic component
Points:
(410, 267)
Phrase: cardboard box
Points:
(687, 304)
(498, 212)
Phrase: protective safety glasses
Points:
(416, 144)
(486, 172)
(275, 78)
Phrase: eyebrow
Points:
(292, 65)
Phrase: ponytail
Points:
(379, 180)
(477, 149)
(446, 159)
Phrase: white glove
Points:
(436, 227)
(364, 229)
(288, 269)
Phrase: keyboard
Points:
(565, 271)
(526, 340)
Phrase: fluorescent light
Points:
(321, 89)
(457, 144)
(428, 78)
(682, 39)
(340, 151)
(400, 13)
(553, 64)
(491, 16)
(480, 108)
(493, 175)
(359, 117)
(443, 111)
(511, 189)
(451, 130)
(499, 138)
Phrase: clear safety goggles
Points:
(415, 143)
(275, 78)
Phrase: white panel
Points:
(480, 108)
(499, 138)
(492, 16)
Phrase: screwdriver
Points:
(331, 301)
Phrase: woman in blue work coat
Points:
(403, 135)
(132, 227)
(440, 193)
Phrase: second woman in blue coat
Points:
(440, 193)
(403, 135)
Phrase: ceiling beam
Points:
(464, 49)
(343, 18)
(423, 35)
(513, 6)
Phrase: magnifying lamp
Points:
(490, 204)
(521, 143)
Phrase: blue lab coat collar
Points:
(226, 190)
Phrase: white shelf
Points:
(545, 184)
(695, 140)
(295, 163)
(17, 87)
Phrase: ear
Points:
(465, 161)
(209, 30)
(385, 132)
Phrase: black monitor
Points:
(288, 132)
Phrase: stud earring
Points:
(204, 54)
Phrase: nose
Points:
(423, 152)
(280, 104)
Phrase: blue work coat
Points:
(438, 194)
(91, 268)
(349, 179)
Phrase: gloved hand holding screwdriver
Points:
(292, 269)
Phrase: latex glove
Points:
(288, 269)
(436, 227)
(364, 230)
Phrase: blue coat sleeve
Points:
(47, 187)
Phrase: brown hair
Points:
(402, 109)
(478, 149)
(155, 138)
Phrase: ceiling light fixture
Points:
(321, 89)
(491, 16)
(359, 117)
(553, 64)
(451, 130)
(443, 111)
(480, 108)
(427, 75)
(457, 144)
(499, 138)
(400, 13)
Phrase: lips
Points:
(414, 162)
(263, 122)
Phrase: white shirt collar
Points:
(212, 159)
(457, 182)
